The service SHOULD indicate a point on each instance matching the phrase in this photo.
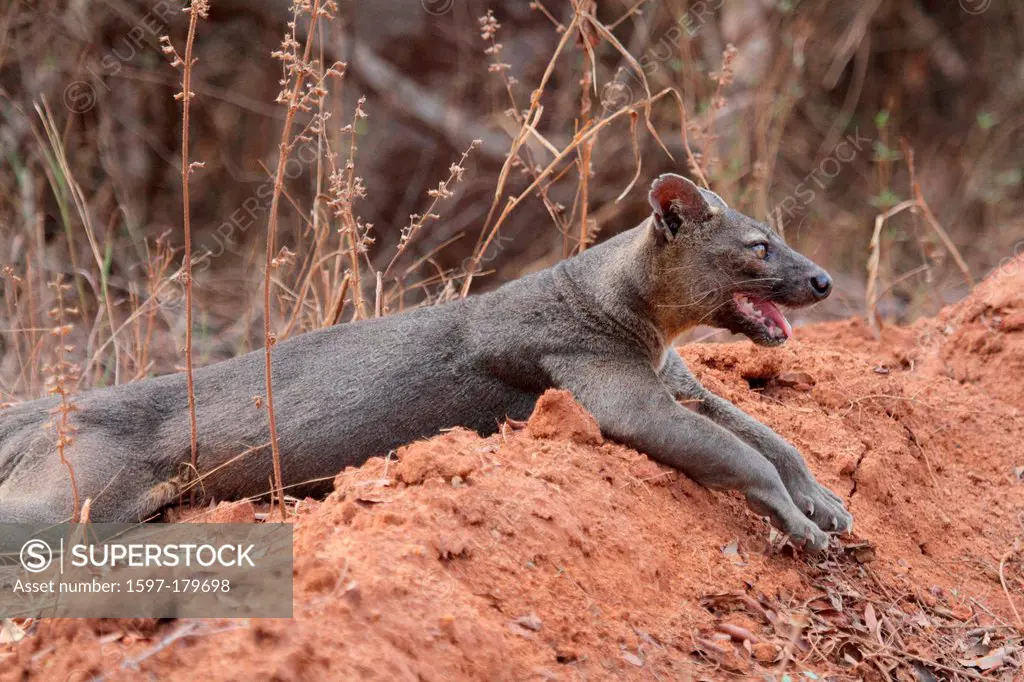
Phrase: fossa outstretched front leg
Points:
(823, 506)
(633, 406)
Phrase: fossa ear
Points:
(677, 203)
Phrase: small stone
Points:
(961, 611)
(799, 381)
(447, 624)
(531, 622)
(765, 652)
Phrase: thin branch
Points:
(199, 8)
(293, 102)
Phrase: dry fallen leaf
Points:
(993, 660)
(869, 618)
(873, 623)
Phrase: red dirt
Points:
(544, 554)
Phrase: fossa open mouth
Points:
(764, 313)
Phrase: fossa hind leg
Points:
(120, 488)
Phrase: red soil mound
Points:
(983, 334)
(543, 553)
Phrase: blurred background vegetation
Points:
(800, 112)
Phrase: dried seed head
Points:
(200, 7)
(488, 26)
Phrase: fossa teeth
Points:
(747, 307)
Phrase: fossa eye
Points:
(760, 250)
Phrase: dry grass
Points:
(62, 374)
(915, 205)
(97, 276)
(197, 10)
(569, 158)
(315, 280)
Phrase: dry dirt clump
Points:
(558, 417)
(543, 553)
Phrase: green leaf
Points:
(885, 199)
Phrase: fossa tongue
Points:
(765, 313)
